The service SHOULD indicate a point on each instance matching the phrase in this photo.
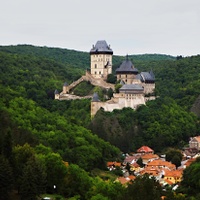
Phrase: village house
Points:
(125, 180)
(165, 172)
(195, 142)
(113, 165)
(152, 171)
(174, 176)
(148, 158)
(135, 167)
(161, 164)
(145, 150)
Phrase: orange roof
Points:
(132, 177)
(169, 182)
(134, 165)
(109, 164)
(161, 163)
(191, 160)
(145, 149)
(174, 173)
(124, 180)
(149, 156)
(150, 170)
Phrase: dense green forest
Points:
(39, 135)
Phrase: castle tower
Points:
(95, 104)
(126, 71)
(65, 88)
(101, 60)
(56, 94)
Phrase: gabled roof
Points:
(101, 47)
(135, 164)
(116, 164)
(95, 97)
(197, 138)
(124, 180)
(147, 77)
(161, 163)
(189, 162)
(168, 182)
(131, 159)
(174, 173)
(150, 171)
(149, 156)
(121, 82)
(145, 149)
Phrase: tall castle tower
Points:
(101, 60)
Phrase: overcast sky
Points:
(130, 26)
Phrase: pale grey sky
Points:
(129, 26)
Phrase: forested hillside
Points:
(40, 136)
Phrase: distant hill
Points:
(151, 57)
(74, 58)
(78, 59)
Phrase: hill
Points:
(39, 136)
(77, 59)
(35, 72)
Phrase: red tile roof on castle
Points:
(145, 149)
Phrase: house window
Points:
(95, 72)
(100, 72)
(95, 65)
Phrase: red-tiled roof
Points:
(169, 182)
(124, 180)
(191, 160)
(135, 165)
(161, 163)
(145, 149)
(174, 173)
(150, 171)
(149, 156)
(109, 164)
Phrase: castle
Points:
(136, 88)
